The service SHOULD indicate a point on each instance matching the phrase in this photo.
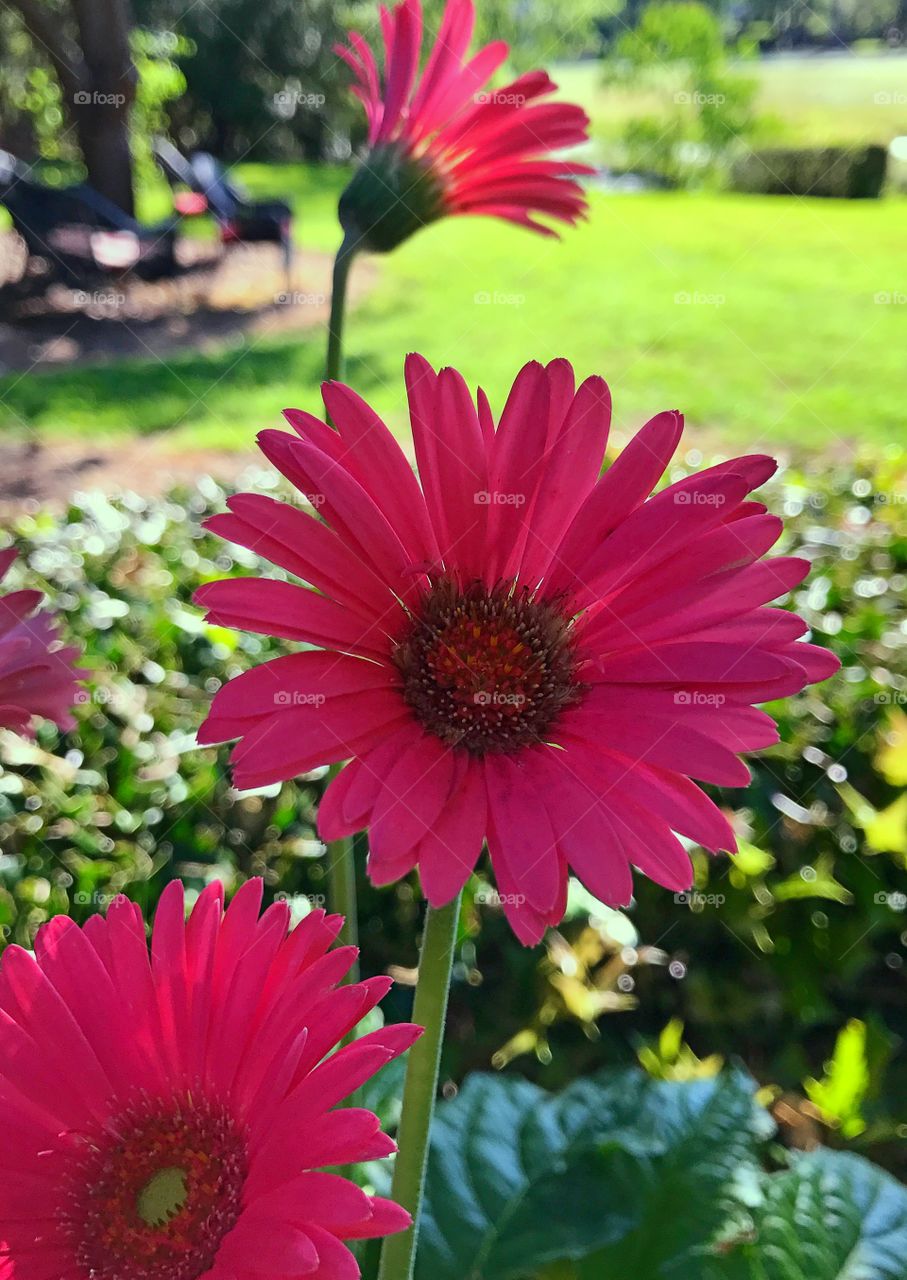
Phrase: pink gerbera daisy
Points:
(517, 651)
(442, 144)
(37, 677)
(168, 1118)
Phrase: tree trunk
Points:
(102, 115)
(93, 63)
(103, 131)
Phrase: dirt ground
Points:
(217, 299)
(37, 475)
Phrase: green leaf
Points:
(832, 1216)
(750, 860)
(813, 882)
(519, 1179)
(839, 1095)
(689, 1185)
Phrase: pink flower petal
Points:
(516, 469)
(381, 467)
(303, 546)
(414, 792)
(336, 494)
(523, 835)
(281, 609)
(450, 848)
(575, 460)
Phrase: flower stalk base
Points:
(423, 1067)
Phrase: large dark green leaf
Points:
(688, 1184)
(832, 1216)
(518, 1178)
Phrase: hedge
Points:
(844, 173)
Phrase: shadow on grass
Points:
(197, 392)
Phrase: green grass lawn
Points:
(850, 98)
(781, 342)
(813, 99)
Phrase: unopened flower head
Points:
(441, 143)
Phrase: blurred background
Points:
(744, 260)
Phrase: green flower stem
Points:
(341, 864)
(342, 884)
(430, 1011)
(342, 264)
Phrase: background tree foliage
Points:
(87, 46)
(261, 79)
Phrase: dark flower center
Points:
(487, 670)
(157, 1192)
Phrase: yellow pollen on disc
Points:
(162, 1197)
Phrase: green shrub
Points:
(845, 173)
(711, 106)
(671, 32)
